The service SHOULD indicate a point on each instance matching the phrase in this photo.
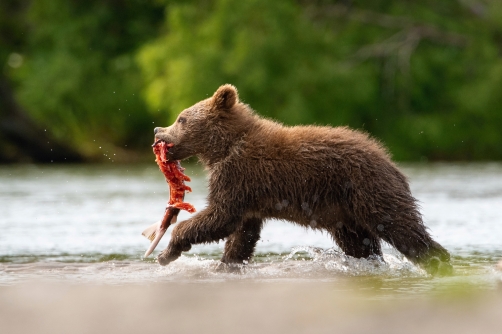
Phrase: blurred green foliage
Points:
(423, 76)
(78, 76)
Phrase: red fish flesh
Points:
(173, 172)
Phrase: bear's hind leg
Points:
(356, 242)
(416, 244)
(240, 245)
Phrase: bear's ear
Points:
(225, 97)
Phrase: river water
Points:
(83, 223)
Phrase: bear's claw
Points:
(164, 259)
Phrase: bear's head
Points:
(209, 128)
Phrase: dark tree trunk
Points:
(22, 140)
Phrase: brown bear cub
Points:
(335, 179)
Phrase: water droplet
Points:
(366, 241)
(380, 227)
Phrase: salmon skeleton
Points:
(173, 172)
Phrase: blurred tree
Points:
(20, 138)
(281, 63)
(400, 70)
(79, 79)
(423, 76)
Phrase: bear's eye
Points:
(182, 120)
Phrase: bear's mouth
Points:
(158, 141)
(161, 149)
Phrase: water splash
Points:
(301, 263)
(335, 261)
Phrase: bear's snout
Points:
(164, 134)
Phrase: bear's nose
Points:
(156, 130)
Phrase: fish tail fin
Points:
(151, 231)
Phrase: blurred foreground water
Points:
(83, 223)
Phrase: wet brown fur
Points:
(330, 178)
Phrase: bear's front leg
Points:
(205, 227)
(240, 245)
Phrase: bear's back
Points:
(272, 141)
